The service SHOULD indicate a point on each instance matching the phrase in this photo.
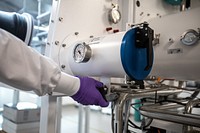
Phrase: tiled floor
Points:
(99, 123)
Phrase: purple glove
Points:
(88, 94)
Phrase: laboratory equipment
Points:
(115, 55)
(154, 72)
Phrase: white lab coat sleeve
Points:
(24, 68)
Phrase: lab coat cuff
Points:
(67, 84)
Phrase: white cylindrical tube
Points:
(105, 60)
(113, 55)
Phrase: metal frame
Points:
(125, 95)
(47, 104)
(166, 112)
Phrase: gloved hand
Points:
(88, 94)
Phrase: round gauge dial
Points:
(82, 53)
(114, 14)
(190, 37)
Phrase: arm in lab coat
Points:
(25, 69)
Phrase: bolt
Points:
(52, 21)
(171, 40)
(56, 42)
(76, 33)
(158, 15)
(138, 3)
(63, 45)
(60, 19)
(115, 31)
(62, 66)
(108, 28)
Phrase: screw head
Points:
(60, 19)
(63, 45)
(62, 66)
(56, 42)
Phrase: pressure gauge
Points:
(190, 37)
(82, 53)
(114, 15)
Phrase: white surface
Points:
(20, 126)
(88, 18)
(21, 115)
(4, 98)
(152, 9)
(99, 123)
(156, 8)
(105, 60)
(180, 66)
(9, 130)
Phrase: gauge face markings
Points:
(79, 52)
(82, 52)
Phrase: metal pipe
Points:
(87, 119)
(121, 101)
(40, 16)
(127, 112)
(39, 13)
(139, 91)
(16, 96)
(48, 115)
(80, 119)
(59, 114)
(166, 115)
(119, 113)
(190, 104)
(183, 5)
(188, 109)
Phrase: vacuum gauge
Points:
(190, 37)
(82, 52)
(114, 14)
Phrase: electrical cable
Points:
(194, 95)
(133, 124)
(146, 124)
